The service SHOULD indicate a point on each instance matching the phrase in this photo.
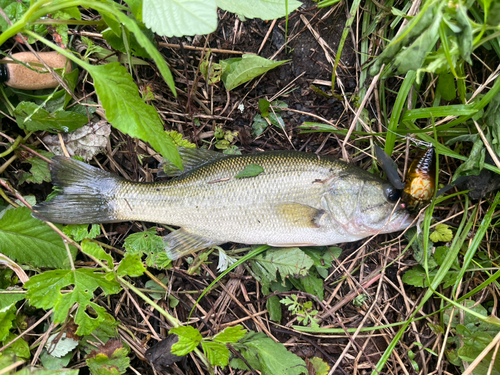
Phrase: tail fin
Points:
(86, 197)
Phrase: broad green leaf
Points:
(287, 261)
(39, 171)
(263, 9)
(178, 18)
(179, 141)
(131, 265)
(264, 107)
(20, 348)
(143, 242)
(127, 112)
(273, 307)
(230, 334)
(81, 231)
(31, 117)
(96, 251)
(250, 66)
(53, 363)
(30, 241)
(109, 359)
(259, 125)
(446, 86)
(250, 170)
(44, 291)
(312, 284)
(8, 312)
(216, 353)
(265, 355)
(320, 366)
(442, 233)
(189, 338)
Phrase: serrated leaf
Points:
(8, 312)
(20, 347)
(44, 291)
(126, 110)
(216, 353)
(39, 171)
(263, 9)
(109, 359)
(230, 334)
(287, 261)
(96, 251)
(250, 170)
(265, 355)
(178, 18)
(30, 241)
(31, 117)
(131, 265)
(250, 66)
(189, 338)
(320, 366)
(179, 141)
(144, 242)
(63, 345)
(442, 233)
(81, 231)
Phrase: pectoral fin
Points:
(180, 243)
(301, 215)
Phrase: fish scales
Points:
(299, 199)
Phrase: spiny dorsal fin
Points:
(300, 215)
(180, 243)
(191, 158)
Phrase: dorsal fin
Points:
(191, 158)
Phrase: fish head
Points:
(364, 205)
(379, 210)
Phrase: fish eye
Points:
(392, 194)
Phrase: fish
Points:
(297, 199)
(420, 183)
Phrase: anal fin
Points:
(180, 243)
(300, 215)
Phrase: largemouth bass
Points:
(299, 199)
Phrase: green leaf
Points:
(320, 366)
(81, 231)
(152, 285)
(265, 355)
(32, 117)
(264, 107)
(109, 359)
(96, 251)
(144, 242)
(446, 86)
(287, 261)
(442, 233)
(178, 18)
(263, 9)
(53, 363)
(259, 125)
(8, 312)
(39, 171)
(30, 241)
(250, 66)
(273, 307)
(250, 170)
(230, 334)
(60, 345)
(44, 291)
(189, 338)
(127, 112)
(179, 141)
(131, 265)
(20, 348)
(216, 353)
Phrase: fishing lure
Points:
(420, 181)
